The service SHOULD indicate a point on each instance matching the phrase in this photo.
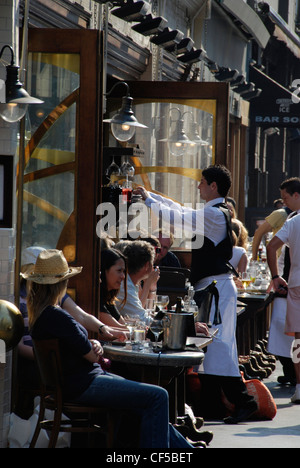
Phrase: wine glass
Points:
(112, 170)
(162, 301)
(156, 327)
(127, 169)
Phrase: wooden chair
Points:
(49, 364)
(185, 271)
(172, 283)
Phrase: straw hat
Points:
(29, 257)
(51, 267)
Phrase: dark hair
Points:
(109, 257)
(221, 175)
(291, 185)
(138, 253)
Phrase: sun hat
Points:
(51, 267)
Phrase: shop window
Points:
(50, 155)
(165, 167)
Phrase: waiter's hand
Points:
(201, 328)
(280, 285)
(141, 191)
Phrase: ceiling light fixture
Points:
(186, 45)
(150, 25)
(226, 74)
(252, 94)
(193, 56)
(167, 38)
(178, 141)
(14, 99)
(124, 123)
(244, 88)
(132, 11)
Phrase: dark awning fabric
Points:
(282, 32)
(249, 19)
(276, 106)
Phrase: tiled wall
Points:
(8, 144)
(7, 255)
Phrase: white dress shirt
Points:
(206, 221)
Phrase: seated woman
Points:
(84, 380)
(27, 374)
(239, 259)
(113, 275)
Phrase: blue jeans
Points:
(149, 401)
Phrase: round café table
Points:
(166, 368)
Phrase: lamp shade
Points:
(179, 142)
(124, 123)
(17, 98)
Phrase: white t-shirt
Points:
(290, 234)
(237, 253)
(133, 306)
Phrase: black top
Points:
(110, 309)
(211, 259)
(170, 260)
(78, 372)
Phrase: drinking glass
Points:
(156, 327)
(112, 170)
(139, 335)
(149, 307)
(162, 301)
(131, 323)
(246, 279)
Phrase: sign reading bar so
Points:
(276, 106)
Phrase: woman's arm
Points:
(25, 351)
(91, 323)
(111, 322)
(243, 263)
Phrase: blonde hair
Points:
(40, 296)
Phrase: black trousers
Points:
(211, 401)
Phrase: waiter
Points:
(210, 262)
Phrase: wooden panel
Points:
(88, 44)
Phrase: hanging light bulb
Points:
(14, 102)
(124, 123)
(179, 142)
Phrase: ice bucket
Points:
(176, 326)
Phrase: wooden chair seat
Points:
(82, 418)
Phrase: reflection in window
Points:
(178, 144)
(49, 183)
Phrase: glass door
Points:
(62, 160)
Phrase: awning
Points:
(276, 106)
(282, 31)
(249, 19)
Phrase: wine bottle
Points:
(179, 305)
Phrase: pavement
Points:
(282, 432)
